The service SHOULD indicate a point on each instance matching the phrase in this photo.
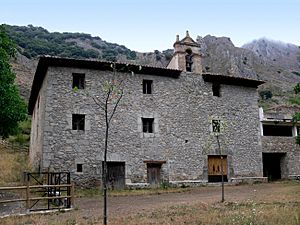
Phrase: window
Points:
(216, 89)
(78, 80)
(79, 168)
(216, 126)
(147, 125)
(277, 130)
(78, 121)
(147, 86)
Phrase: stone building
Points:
(166, 128)
(281, 154)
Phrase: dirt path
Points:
(122, 206)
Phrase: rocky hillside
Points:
(275, 62)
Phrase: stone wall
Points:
(284, 145)
(182, 109)
(37, 129)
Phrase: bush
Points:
(295, 100)
(265, 94)
(297, 88)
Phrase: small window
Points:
(216, 126)
(147, 86)
(147, 125)
(78, 121)
(216, 89)
(79, 168)
(78, 80)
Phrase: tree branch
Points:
(115, 107)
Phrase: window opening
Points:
(188, 60)
(79, 168)
(78, 80)
(78, 121)
(147, 86)
(277, 130)
(216, 89)
(147, 125)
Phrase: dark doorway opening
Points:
(272, 165)
(116, 175)
(153, 173)
(215, 165)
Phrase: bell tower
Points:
(186, 56)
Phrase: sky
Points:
(148, 25)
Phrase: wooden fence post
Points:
(72, 195)
(27, 192)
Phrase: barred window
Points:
(147, 86)
(216, 126)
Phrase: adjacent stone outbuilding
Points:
(165, 128)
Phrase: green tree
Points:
(12, 107)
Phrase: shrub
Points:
(266, 94)
(295, 100)
(297, 88)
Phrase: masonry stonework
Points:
(182, 106)
(182, 109)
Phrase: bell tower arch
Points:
(186, 56)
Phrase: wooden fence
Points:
(29, 197)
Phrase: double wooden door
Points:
(216, 164)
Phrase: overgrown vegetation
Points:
(12, 164)
(12, 107)
(265, 94)
(34, 41)
(294, 100)
(297, 88)
(22, 137)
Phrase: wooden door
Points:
(116, 175)
(153, 173)
(215, 165)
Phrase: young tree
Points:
(12, 107)
(113, 93)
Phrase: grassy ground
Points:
(12, 164)
(225, 213)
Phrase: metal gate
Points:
(53, 190)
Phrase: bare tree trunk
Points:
(222, 172)
(105, 170)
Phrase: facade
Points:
(281, 154)
(173, 124)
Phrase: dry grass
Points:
(12, 165)
(227, 213)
